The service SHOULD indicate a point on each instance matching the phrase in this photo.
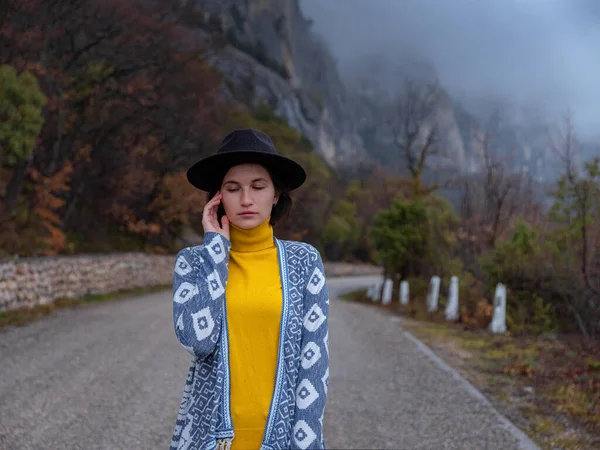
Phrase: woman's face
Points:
(248, 195)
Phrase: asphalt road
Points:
(109, 376)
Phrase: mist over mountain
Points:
(532, 59)
(532, 52)
(330, 68)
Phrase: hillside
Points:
(109, 103)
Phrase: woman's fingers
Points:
(210, 221)
(213, 201)
(212, 205)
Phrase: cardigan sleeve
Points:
(313, 372)
(199, 281)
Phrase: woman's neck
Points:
(252, 240)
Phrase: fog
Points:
(542, 53)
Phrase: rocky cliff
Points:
(521, 142)
(272, 57)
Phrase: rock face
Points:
(373, 112)
(273, 58)
(520, 141)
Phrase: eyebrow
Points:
(237, 182)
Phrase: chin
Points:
(247, 224)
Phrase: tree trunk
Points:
(56, 146)
(578, 318)
(71, 207)
(15, 185)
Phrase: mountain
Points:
(519, 139)
(272, 57)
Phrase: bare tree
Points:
(506, 186)
(412, 120)
(578, 192)
(494, 197)
(564, 144)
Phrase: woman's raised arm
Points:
(199, 281)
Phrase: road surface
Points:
(110, 376)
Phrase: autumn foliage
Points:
(130, 103)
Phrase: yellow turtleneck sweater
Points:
(254, 304)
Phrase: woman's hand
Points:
(209, 217)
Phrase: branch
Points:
(427, 146)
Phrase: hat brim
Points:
(208, 172)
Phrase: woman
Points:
(251, 308)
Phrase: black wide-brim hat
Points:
(245, 146)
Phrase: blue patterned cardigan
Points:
(295, 419)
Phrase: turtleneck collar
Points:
(252, 240)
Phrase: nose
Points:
(246, 199)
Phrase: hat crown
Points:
(247, 139)
(245, 146)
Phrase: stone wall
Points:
(37, 281)
(29, 282)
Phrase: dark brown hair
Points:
(279, 211)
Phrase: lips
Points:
(247, 213)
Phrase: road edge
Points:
(525, 442)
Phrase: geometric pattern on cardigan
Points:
(296, 415)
